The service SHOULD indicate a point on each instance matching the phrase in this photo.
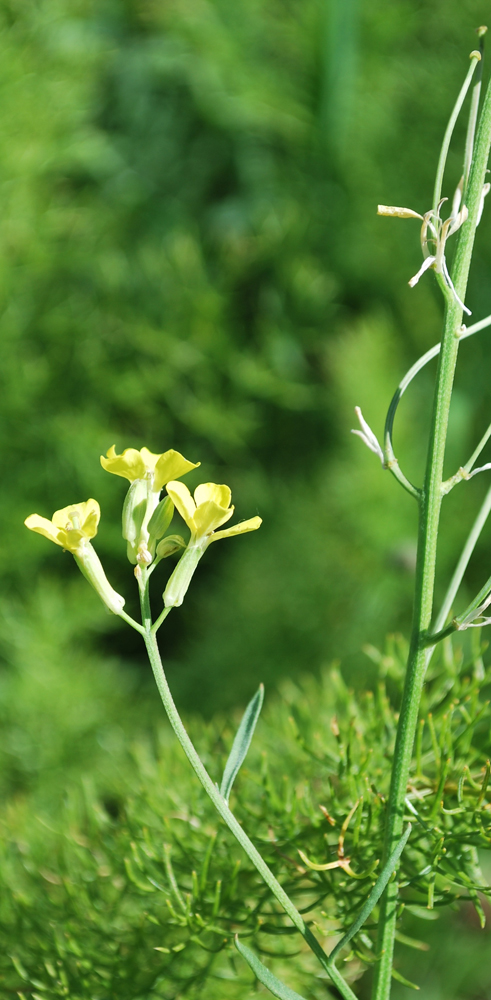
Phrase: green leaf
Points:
(19, 968)
(241, 742)
(405, 982)
(412, 942)
(274, 985)
(144, 886)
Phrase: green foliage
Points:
(118, 879)
(190, 256)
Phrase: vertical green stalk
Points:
(429, 517)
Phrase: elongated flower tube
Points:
(209, 509)
(72, 528)
(147, 473)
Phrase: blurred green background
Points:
(190, 258)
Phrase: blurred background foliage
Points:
(190, 257)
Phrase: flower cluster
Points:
(146, 519)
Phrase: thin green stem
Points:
(480, 447)
(162, 616)
(131, 621)
(465, 471)
(390, 460)
(430, 506)
(432, 640)
(221, 805)
(468, 331)
(471, 127)
(143, 588)
(471, 130)
(475, 58)
(475, 608)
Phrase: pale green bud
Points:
(134, 510)
(169, 545)
(160, 519)
(180, 579)
(143, 556)
(90, 565)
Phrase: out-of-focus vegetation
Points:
(190, 258)
(118, 881)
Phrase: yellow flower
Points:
(70, 526)
(209, 509)
(143, 464)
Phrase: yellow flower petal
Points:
(87, 514)
(221, 495)
(170, 466)
(210, 516)
(184, 502)
(43, 527)
(133, 464)
(238, 529)
(150, 459)
(70, 526)
(130, 464)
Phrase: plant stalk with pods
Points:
(465, 216)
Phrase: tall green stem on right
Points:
(429, 517)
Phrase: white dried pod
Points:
(398, 213)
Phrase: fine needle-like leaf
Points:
(241, 742)
(374, 896)
(273, 984)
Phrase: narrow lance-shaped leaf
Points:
(241, 742)
(274, 985)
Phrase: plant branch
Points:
(131, 621)
(475, 57)
(430, 506)
(390, 461)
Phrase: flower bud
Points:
(169, 545)
(180, 579)
(134, 509)
(160, 519)
(90, 565)
(143, 556)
